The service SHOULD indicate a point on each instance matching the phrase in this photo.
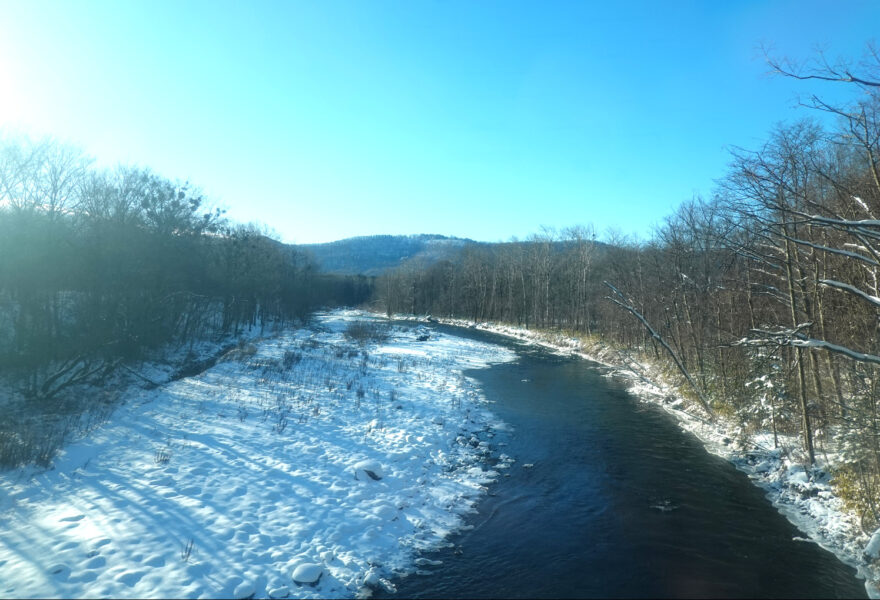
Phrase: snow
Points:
(245, 589)
(307, 573)
(862, 204)
(872, 550)
(371, 470)
(224, 484)
(851, 289)
(279, 592)
(805, 498)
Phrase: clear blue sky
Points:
(478, 119)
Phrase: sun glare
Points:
(10, 100)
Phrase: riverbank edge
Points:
(807, 500)
(161, 366)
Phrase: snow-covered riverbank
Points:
(805, 498)
(306, 454)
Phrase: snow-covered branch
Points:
(870, 227)
(851, 289)
(847, 253)
(794, 338)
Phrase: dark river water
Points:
(620, 503)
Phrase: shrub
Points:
(858, 487)
(162, 457)
(364, 332)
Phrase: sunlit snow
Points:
(320, 479)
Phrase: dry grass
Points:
(364, 332)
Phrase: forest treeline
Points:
(766, 295)
(98, 267)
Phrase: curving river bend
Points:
(619, 503)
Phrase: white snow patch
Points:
(872, 550)
(282, 591)
(307, 573)
(244, 590)
(368, 470)
(222, 485)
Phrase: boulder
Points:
(244, 590)
(372, 577)
(282, 591)
(307, 573)
(368, 470)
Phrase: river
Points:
(619, 502)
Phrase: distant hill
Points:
(375, 254)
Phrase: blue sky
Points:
(479, 119)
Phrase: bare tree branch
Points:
(851, 289)
(626, 305)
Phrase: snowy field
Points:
(805, 498)
(307, 466)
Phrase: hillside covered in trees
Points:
(374, 254)
(766, 296)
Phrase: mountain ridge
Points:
(374, 254)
